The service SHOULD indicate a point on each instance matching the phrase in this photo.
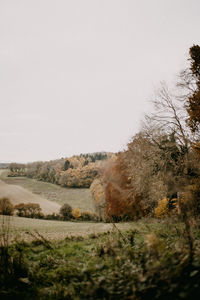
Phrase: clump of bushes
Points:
(29, 210)
(6, 207)
(67, 214)
(89, 216)
(33, 210)
(52, 216)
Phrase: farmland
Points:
(80, 198)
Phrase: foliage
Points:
(76, 172)
(159, 161)
(190, 82)
(152, 167)
(15, 167)
(76, 213)
(6, 207)
(150, 262)
(194, 111)
(162, 209)
(29, 210)
(78, 177)
(66, 211)
(89, 216)
(12, 262)
(97, 190)
(52, 216)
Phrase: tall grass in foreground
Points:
(151, 261)
(12, 261)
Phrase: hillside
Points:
(18, 194)
(80, 198)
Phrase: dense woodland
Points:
(76, 172)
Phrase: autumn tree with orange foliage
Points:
(121, 200)
(150, 169)
(78, 171)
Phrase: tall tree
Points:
(193, 102)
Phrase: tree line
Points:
(76, 172)
(33, 210)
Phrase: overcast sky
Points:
(76, 76)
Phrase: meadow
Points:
(23, 228)
(80, 198)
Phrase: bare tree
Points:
(169, 116)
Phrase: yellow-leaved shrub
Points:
(162, 209)
(76, 213)
(166, 206)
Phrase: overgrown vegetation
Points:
(154, 260)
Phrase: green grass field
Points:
(80, 198)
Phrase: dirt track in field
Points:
(18, 194)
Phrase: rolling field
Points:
(80, 198)
(18, 194)
(50, 197)
(55, 230)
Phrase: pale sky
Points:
(76, 76)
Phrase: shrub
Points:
(165, 207)
(52, 216)
(89, 216)
(66, 211)
(29, 210)
(6, 207)
(162, 209)
(76, 213)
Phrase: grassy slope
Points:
(56, 230)
(80, 198)
(18, 194)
